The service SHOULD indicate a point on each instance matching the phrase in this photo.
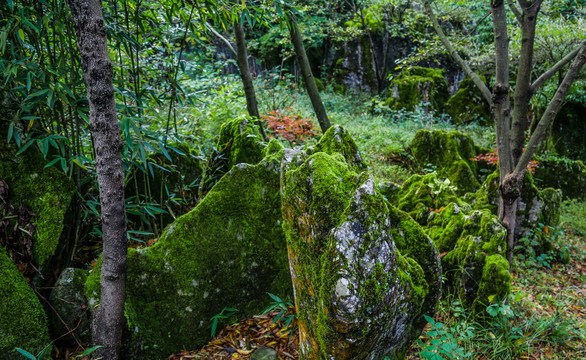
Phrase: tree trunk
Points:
(318, 106)
(109, 321)
(242, 60)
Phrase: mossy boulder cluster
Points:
(450, 154)
(364, 273)
(470, 241)
(23, 322)
(418, 85)
(229, 251)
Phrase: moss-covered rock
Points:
(450, 153)
(562, 173)
(468, 105)
(422, 194)
(534, 207)
(467, 240)
(417, 85)
(227, 252)
(240, 141)
(70, 305)
(364, 273)
(47, 192)
(23, 322)
(338, 140)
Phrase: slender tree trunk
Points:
(242, 60)
(109, 321)
(318, 105)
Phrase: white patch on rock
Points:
(342, 287)
(189, 309)
(206, 294)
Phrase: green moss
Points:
(416, 85)
(450, 153)
(467, 104)
(227, 252)
(45, 191)
(337, 140)
(495, 283)
(240, 141)
(23, 322)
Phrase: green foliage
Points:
(226, 313)
(444, 342)
(573, 216)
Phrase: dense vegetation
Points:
(382, 73)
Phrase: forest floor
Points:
(545, 318)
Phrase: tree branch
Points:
(552, 110)
(515, 10)
(210, 28)
(554, 69)
(463, 64)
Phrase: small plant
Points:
(286, 314)
(444, 342)
(226, 312)
(292, 128)
(47, 349)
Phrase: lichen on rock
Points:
(227, 252)
(23, 322)
(364, 273)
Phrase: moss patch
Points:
(450, 153)
(417, 85)
(23, 322)
(45, 191)
(468, 105)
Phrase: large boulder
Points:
(364, 273)
(23, 322)
(69, 305)
(229, 251)
(450, 154)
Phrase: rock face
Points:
(23, 322)
(68, 300)
(240, 142)
(418, 85)
(227, 252)
(450, 153)
(364, 273)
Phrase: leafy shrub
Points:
(446, 342)
(292, 128)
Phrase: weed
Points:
(226, 313)
(446, 342)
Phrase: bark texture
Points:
(242, 60)
(108, 321)
(307, 75)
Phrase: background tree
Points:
(306, 74)
(510, 124)
(109, 321)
